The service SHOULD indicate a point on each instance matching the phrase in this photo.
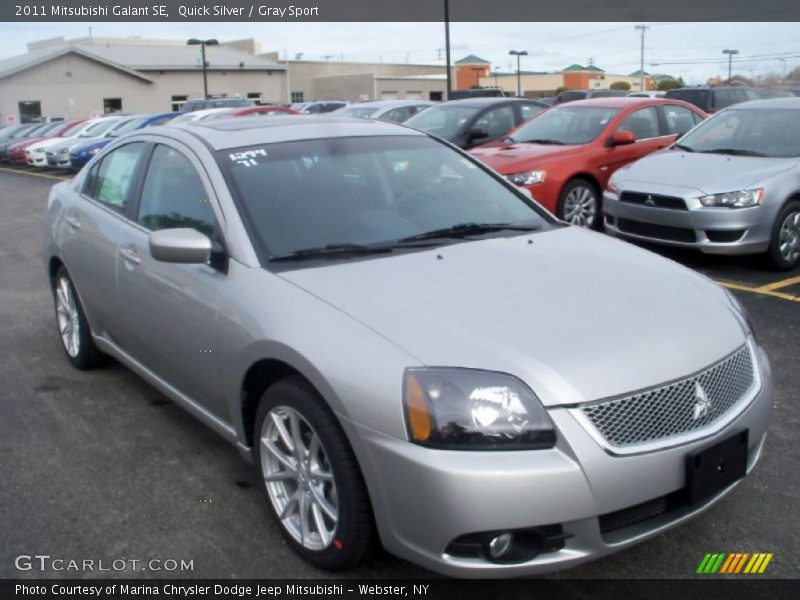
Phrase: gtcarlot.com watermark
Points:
(46, 562)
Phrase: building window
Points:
(112, 105)
(30, 111)
(436, 96)
(177, 102)
(254, 96)
(297, 97)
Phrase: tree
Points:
(620, 85)
(668, 84)
(794, 74)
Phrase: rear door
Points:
(170, 310)
(91, 230)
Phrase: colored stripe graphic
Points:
(726, 564)
(729, 563)
(741, 562)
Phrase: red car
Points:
(264, 109)
(16, 153)
(566, 154)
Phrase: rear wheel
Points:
(579, 204)
(784, 248)
(314, 485)
(73, 328)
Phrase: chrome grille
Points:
(672, 410)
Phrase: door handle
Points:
(73, 223)
(130, 255)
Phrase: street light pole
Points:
(730, 54)
(518, 53)
(203, 44)
(642, 28)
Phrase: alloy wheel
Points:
(789, 237)
(299, 479)
(67, 317)
(580, 206)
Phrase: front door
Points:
(168, 310)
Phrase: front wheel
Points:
(579, 204)
(784, 247)
(314, 485)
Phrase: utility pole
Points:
(783, 60)
(730, 54)
(447, 46)
(643, 29)
(518, 54)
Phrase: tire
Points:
(73, 328)
(784, 246)
(580, 204)
(330, 480)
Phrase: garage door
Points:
(389, 95)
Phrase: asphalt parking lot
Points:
(98, 465)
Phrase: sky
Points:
(690, 50)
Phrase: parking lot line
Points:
(763, 290)
(771, 287)
(45, 175)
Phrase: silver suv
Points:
(399, 339)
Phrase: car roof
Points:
(486, 101)
(783, 103)
(622, 102)
(388, 103)
(249, 131)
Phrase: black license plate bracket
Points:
(716, 467)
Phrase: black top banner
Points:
(399, 10)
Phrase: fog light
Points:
(500, 545)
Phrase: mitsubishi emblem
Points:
(649, 201)
(702, 404)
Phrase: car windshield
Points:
(126, 126)
(346, 192)
(73, 129)
(565, 125)
(444, 121)
(100, 128)
(361, 112)
(765, 132)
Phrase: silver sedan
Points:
(408, 348)
(730, 186)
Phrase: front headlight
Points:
(740, 199)
(612, 187)
(527, 178)
(469, 409)
(93, 151)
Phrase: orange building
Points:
(469, 70)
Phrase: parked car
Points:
(203, 104)
(319, 107)
(468, 123)
(394, 111)
(728, 187)
(81, 154)
(13, 151)
(35, 151)
(565, 156)
(477, 93)
(58, 154)
(712, 99)
(264, 109)
(647, 94)
(503, 400)
(24, 132)
(199, 115)
(572, 95)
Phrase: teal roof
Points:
(639, 73)
(575, 67)
(594, 68)
(472, 59)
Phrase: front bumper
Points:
(424, 499)
(58, 161)
(36, 159)
(710, 230)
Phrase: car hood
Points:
(575, 314)
(514, 158)
(72, 143)
(48, 143)
(706, 173)
(88, 146)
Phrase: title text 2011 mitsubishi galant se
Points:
(405, 344)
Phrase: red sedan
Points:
(16, 153)
(264, 109)
(565, 155)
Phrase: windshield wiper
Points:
(466, 229)
(543, 141)
(332, 251)
(682, 147)
(733, 152)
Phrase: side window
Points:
(110, 180)
(697, 118)
(679, 119)
(397, 115)
(643, 123)
(173, 194)
(529, 110)
(497, 121)
(724, 98)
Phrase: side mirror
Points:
(622, 138)
(184, 245)
(477, 133)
